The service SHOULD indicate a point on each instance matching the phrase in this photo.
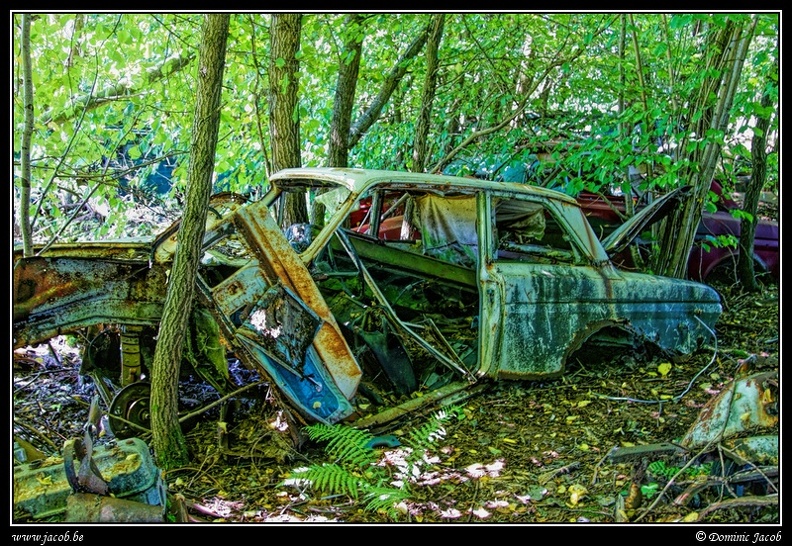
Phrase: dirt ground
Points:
(513, 452)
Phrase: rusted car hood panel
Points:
(281, 264)
(57, 294)
(629, 230)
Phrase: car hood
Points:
(629, 230)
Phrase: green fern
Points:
(423, 437)
(385, 499)
(345, 444)
(426, 436)
(661, 470)
(330, 479)
(355, 473)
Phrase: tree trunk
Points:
(169, 444)
(430, 83)
(745, 264)
(345, 91)
(348, 69)
(399, 69)
(730, 46)
(27, 134)
(284, 114)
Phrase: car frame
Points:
(486, 280)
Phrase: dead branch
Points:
(36, 433)
(414, 404)
(202, 409)
(547, 476)
(741, 502)
(672, 481)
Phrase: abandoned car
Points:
(709, 259)
(409, 283)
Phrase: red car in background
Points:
(707, 261)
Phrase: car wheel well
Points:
(609, 342)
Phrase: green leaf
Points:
(650, 490)
(134, 152)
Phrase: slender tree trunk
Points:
(284, 114)
(27, 135)
(399, 69)
(169, 444)
(745, 264)
(430, 83)
(258, 92)
(74, 52)
(348, 70)
(730, 45)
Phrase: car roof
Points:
(359, 180)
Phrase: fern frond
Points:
(355, 471)
(384, 499)
(422, 438)
(328, 479)
(345, 444)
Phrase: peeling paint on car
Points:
(411, 282)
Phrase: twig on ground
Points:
(740, 502)
(547, 476)
(38, 434)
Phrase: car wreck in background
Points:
(715, 250)
(414, 283)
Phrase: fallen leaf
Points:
(576, 493)
(451, 513)
(634, 497)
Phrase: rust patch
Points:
(746, 404)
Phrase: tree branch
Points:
(367, 119)
(86, 103)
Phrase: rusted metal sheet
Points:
(59, 294)
(755, 450)
(273, 315)
(746, 404)
(276, 255)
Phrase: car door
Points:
(273, 314)
(538, 288)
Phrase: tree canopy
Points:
(566, 100)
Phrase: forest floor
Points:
(514, 452)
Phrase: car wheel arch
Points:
(608, 333)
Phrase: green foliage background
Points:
(568, 100)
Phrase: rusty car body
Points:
(437, 281)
